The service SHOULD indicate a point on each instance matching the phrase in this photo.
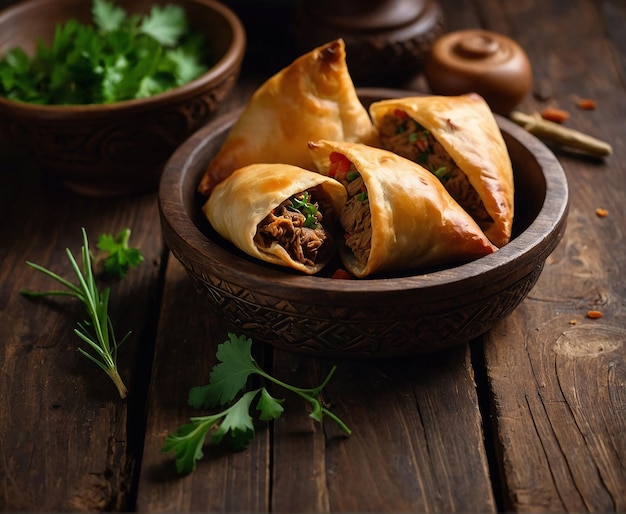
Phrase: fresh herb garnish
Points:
(97, 331)
(119, 256)
(118, 58)
(305, 207)
(228, 379)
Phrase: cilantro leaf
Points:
(227, 377)
(165, 24)
(237, 422)
(188, 440)
(106, 16)
(120, 257)
(269, 406)
(187, 65)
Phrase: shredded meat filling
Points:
(404, 136)
(356, 220)
(285, 226)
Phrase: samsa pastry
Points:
(312, 98)
(398, 216)
(458, 139)
(279, 214)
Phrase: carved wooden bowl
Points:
(378, 317)
(116, 148)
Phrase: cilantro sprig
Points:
(97, 331)
(119, 256)
(227, 380)
(118, 57)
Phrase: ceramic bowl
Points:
(378, 317)
(116, 148)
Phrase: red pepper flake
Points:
(587, 104)
(341, 274)
(422, 145)
(594, 314)
(555, 115)
(602, 213)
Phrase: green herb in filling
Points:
(305, 207)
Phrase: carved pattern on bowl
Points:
(359, 332)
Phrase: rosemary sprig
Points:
(97, 331)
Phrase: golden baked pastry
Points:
(278, 213)
(312, 98)
(458, 139)
(398, 216)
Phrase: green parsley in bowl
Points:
(101, 94)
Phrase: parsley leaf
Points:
(119, 256)
(227, 379)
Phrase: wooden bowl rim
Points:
(229, 61)
(534, 243)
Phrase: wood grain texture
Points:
(62, 419)
(185, 353)
(557, 377)
(417, 441)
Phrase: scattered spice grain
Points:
(594, 314)
(587, 104)
(555, 115)
(601, 213)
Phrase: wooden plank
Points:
(188, 335)
(63, 430)
(557, 377)
(401, 412)
(417, 441)
(614, 15)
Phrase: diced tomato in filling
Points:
(339, 166)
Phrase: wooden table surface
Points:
(531, 417)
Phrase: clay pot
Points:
(386, 40)
(480, 61)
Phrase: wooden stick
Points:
(551, 131)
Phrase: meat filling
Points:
(404, 136)
(296, 225)
(356, 219)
